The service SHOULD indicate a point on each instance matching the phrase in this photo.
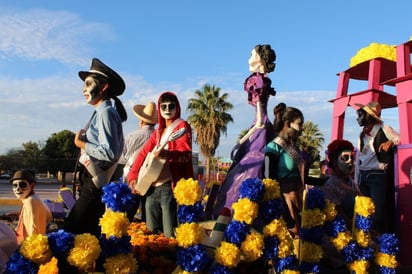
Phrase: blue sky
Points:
(180, 46)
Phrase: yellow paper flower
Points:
(372, 51)
(341, 240)
(272, 189)
(252, 246)
(121, 264)
(288, 271)
(276, 227)
(178, 270)
(312, 218)
(386, 260)
(245, 210)
(188, 234)
(114, 223)
(49, 268)
(359, 267)
(187, 192)
(364, 206)
(227, 254)
(85, 252)
(362, 238)
(330, 211)
(286, 248)
(36, 248)
(310, 252)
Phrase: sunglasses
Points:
(170, 106)
(20, 184)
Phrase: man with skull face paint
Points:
(34, 214)
(374, 163)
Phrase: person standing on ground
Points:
(101, 144)
(161, 206)
(284, 163)
(147, 115)
(374, 163)
(34, 214)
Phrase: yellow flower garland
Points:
(36, 248)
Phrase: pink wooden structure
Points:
(379, 73)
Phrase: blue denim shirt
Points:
(105, 135)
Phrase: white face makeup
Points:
(21, 188)
(168, 110)
(255, 62)
(345, 162)
(90, 89)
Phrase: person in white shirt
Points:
(374, 162)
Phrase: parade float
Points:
(254, 239)
(383, 67)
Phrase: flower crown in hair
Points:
(338, 145)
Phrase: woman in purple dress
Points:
(249, 153)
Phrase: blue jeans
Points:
(161, 210)
(373, 184)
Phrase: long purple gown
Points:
(248, 157)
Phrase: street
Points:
(43, 189)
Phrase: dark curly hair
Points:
(268, 56)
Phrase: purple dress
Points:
(248, 157)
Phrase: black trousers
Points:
(88, 209)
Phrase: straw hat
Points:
(373, 109)
(146, 113)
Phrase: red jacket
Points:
(181, 151)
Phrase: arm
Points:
(393, 138)
(258, 125)
(148, 147)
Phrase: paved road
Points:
(46, 190)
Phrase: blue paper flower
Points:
(252, 188)
(60, 243)
(193, 258)
(118, 197)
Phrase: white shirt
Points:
(366, 158)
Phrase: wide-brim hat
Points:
(373, 109)
(115, 81)
(146, 113)
(23, 174)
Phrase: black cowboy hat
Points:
(115, 81)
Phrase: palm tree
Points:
(311, 140)
(209, 119)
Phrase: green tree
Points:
(61, 151)
(311, 140)
(209, 119)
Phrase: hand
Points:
(385, 146)
(78, 139)
(132, 185)
(163, 154)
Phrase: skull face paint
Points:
(90, 89)
(21, 188)
(255, 62)
(345, 162)
(168, 110)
